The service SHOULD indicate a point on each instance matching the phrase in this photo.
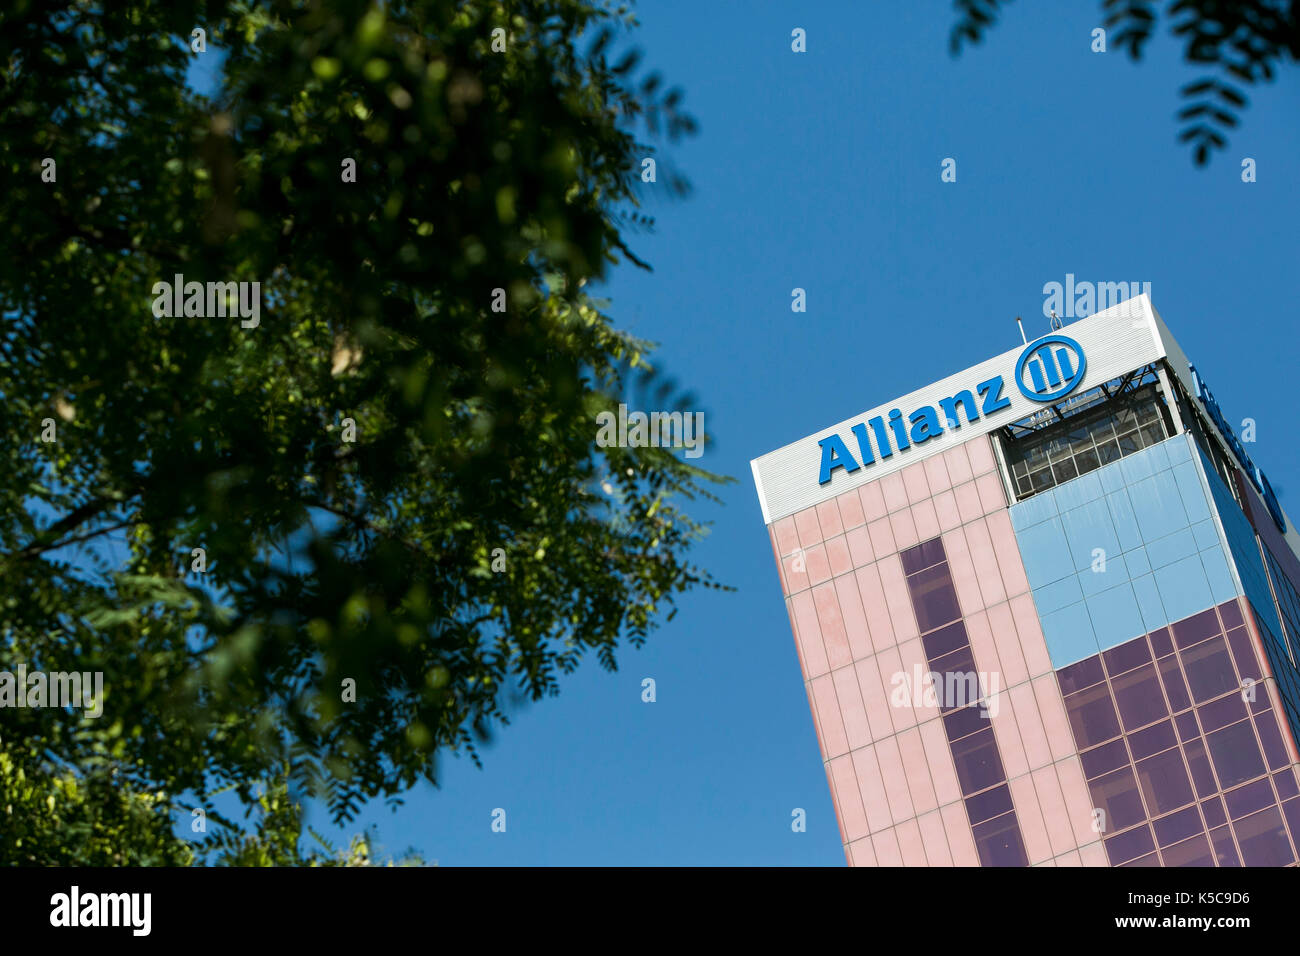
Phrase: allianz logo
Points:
(1055, 365)
(1048, 369)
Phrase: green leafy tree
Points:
(52, 815)
(394, 475)
(1239, 42)
(57, 817)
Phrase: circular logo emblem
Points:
(1050, 368)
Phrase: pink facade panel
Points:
(934, 839)
(850, 506)
(897, 793)
(810, 532)
(915, 483)
(828, 517)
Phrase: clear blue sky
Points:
(822, 170)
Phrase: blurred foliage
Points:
(371, 561)
(55, 816)
(1243, 41)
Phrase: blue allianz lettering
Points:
(896, 433)
(1055, 362)
(1252, 471)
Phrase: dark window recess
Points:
(1116, 795)
(998, 842)
(1193, 416)
(933, 597)
(974, 750)
(1288, 678)
(1129, 846)
(1286, 599)
(1079, 435)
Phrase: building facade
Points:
(1046, 611)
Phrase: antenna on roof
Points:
(1056, 321)
(1022, 330)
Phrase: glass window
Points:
(1138, 695)
(1235, 754)
(1215, 815)
(1271, 737)
(1153, 740)
(1078, 676)
(1288, 601)
(1127, 656)
(1153, 433)
(1263, 839)
(1200, 767)
(1080, 436)
(1171, 676)
(989, 804)
(1291, 810)
(1231, 614)
(1244, 653)
(1161, 642)
(1087, 461)
(1244, 801)
(1058, 450)
(1164, 781)
(1193, 852)
(944, 640)
(1048, 452)
(1197, 628)
(1209, 669)
(933, 598)
(963, 723)
(977, 762)
(1221, 713)
(998, 842)
(1285, 783)
(1092, 716)
(1178, 827)
(1063, 471)
(958, 681)
(925, 555)
(1104, 759)
(1224, 850)
(1104, 430)
(1129, 846)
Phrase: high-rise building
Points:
(1046, 611)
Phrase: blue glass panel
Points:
(1069, 636)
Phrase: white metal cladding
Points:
(1178, 362)
(1115, 341)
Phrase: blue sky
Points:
(821, 170)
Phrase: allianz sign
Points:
(1252, 471)
(1048, 369)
